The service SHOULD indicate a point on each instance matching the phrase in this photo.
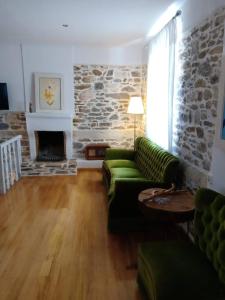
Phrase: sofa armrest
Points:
(117, 153)
(131, 187)
(136, 185)
(123, 194)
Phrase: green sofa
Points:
(127, 172)
(174, 270)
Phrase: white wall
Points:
(218, 162)
(195, 11)
(36, 58)
(11, 73)
(127, 55)
(53, 59)
(218, 170)
(48, 59)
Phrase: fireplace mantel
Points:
(47, 121)
(55, 115)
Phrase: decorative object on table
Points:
(152, 194)
(95, 151)
(167, 205)
(48, 92)
(135, 107)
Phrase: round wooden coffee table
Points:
(177, 207)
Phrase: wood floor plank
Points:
(54, 242)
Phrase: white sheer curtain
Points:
(160, 85)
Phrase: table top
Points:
(176, 202)
(99, 145)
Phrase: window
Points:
(160, 85)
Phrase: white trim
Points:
(58, 114)
(89, 164)
(10, 162)
(26, 105)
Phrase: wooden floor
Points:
(54, 242)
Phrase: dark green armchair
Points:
(127, 172)
(184, 270)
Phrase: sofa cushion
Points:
(117, 173)
(119, 163)
(176, 270)
(126, 173)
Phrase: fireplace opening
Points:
(50, 145)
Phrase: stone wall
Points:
(102, 94)
(12, 124)
(101, 99)
(200, 55)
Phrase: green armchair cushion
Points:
(177, 270)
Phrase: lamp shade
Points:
(135, 106)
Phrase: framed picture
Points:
(223, 123)
(221, 106)
(48, 92)
(220, 126)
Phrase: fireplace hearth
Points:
(50, 145)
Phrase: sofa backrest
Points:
(209, 227)
(154, 162)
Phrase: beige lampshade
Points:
(135, 106)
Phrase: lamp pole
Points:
(135, 127)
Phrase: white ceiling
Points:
(102, 23)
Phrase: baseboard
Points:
(89, 164)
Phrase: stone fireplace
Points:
(43, 127)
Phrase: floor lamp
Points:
(135, 107)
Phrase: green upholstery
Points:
(182, 270)
(210, 228)
(127, 172)
(178, 273)
(118, 163)
(154, 162)
(113, 153)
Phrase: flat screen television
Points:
(4, 102)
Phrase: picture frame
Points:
(220, 126)
(223, 123)
(49, 95)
